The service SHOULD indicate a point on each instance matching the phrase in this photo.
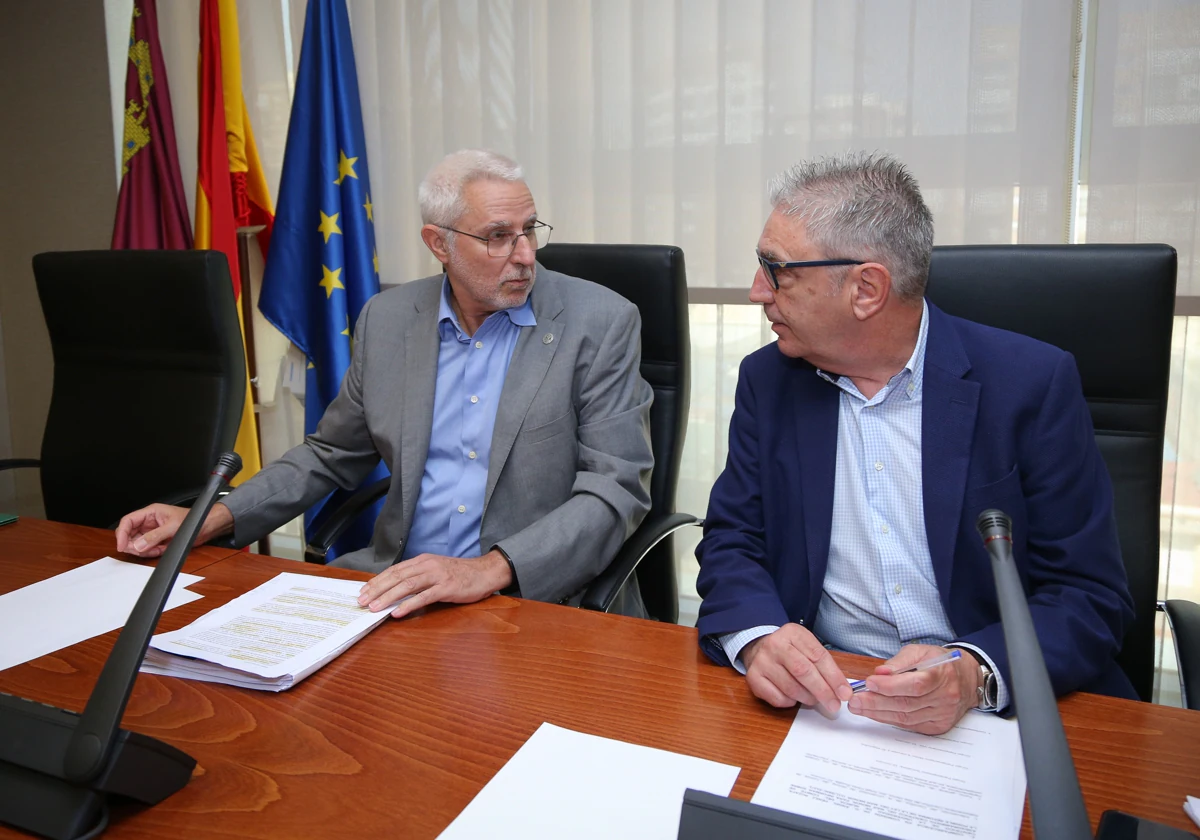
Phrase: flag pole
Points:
(244, 235)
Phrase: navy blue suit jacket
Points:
(1004, 425)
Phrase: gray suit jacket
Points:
(569, 475)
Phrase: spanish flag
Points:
(231, 189)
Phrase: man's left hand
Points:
(429, 578)
(930, 701)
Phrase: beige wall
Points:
(56, 168)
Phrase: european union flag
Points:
(322, 265)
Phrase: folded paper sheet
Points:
(66, 609)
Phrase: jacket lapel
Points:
(531, 359)
(948, 411)
(818, 403)
(420, 382)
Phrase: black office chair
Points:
(149, 379)
(1112, 307)
(653, 278)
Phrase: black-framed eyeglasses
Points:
(771, 267)
(501, 243)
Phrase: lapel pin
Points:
(547, 338)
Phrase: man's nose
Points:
(760, 289)
(523, 253)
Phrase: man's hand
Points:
(790, 666)
(148, 532)
(429, 578)
(929, 702)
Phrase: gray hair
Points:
(862, 206)
(440, 195)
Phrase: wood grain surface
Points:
(397, 735)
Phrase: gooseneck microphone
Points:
(57, 768)
(90, 746)
(1055, 800)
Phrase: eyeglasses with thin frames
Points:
(771, 267)
(501, 243)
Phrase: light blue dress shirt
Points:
(880, 592)
(470, 376)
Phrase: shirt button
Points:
(475, 399)
(896, 590)
(885, 529)
(878, 464)
(463, 509)
(471, 454)
(478, 345)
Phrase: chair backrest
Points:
(1112, 307)
(653, 278)
(149, 377)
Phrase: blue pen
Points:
(861, 685)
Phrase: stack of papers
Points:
(969, 782)
(66, 609)
(1192, 809)
(270, 638)
(566, 784)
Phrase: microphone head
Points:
(228, 465)
(994, 523)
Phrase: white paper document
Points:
(968, 783)
(563, 783)
(1191, 807)
(66, 609)
(270, 638)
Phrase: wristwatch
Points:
(988, 690)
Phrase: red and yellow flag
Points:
(231, 190)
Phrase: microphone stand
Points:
(1055, 800)
(58, 768)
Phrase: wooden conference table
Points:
(396, 736)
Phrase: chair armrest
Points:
(603, 590)
(13, 463)
(185, 498)
(333, 527)
(1184, 618)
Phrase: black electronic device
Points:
(706, 816)
(58, 768)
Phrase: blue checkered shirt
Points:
(880, 592)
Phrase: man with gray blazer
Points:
(505, 398)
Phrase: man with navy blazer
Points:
(506, 400)
(863, 445)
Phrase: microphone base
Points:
(1117, 825)
(706, 816)
(35, 796)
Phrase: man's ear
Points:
(435, 240)
(872, 287)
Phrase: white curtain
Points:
(1141, 175)
(661, 120)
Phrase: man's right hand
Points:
(148, 532)
(790, 666)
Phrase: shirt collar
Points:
(521, 316)
(914, 367)
(916, 362)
